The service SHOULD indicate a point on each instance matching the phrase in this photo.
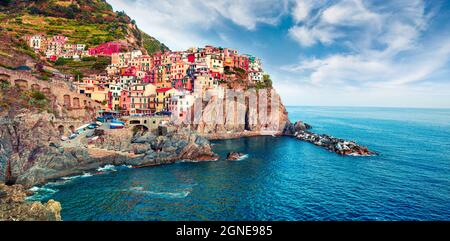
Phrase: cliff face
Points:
(242, 113)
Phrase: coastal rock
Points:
(233, 156)
(333, 144)
(14, 207)
(291, 129)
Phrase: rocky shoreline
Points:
(32, 153)
(14, 207)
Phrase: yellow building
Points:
(163, 96)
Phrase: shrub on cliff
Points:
(4, 84)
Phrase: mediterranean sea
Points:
(282, 178)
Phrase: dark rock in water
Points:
(292, 128)
(299, 130)
(333, 144)
(233, 156)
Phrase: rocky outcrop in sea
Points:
(340, 146)
(233, 156)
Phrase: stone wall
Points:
(73, 105)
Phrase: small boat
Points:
(116, 126)
(81, 128)
(115, 121)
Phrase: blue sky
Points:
(321, 52)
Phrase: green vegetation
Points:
(4, 84)
(152, 45)
(85, 65)
(37, 99)
(77, 75)
(266, 83)
(90, 58)
(91, 22)
(61, 61)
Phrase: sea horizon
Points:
(386, 107)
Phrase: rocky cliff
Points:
(243, 113)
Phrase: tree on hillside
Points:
(267, 80)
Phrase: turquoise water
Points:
(286, 179)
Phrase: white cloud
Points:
(179, 23)
(302, 9)
(351, 13)
(372, 70)
(381, 45)
(310, 36)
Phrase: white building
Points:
(36, 42)
(180, 102)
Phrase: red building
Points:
(108, 49)
(149, 78)
(191, 58)
(215, 75)
(241, 62)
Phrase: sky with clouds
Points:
(392, 53)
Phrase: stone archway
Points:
(46, 90)
(72, 128)
(76, 102)
(140, 128)
(66, 101)
(61, 130)
(135, 122)
(21, 84)
(35, 87)
(5, 76)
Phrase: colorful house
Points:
(107, 49)
(163, 96)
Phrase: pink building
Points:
(125, 101)
(108, 49)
